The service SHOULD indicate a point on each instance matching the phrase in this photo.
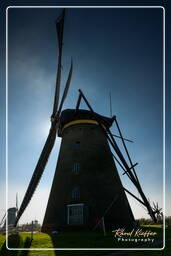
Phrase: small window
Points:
(76, 193)
(76, 168)
(77, 144)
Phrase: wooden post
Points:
(103, 225)
(32, 230)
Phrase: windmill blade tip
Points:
(71, 62)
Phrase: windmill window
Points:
(76, 168)
(75, 193)
(77, 144)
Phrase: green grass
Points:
(77, 240)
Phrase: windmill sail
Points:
(2, 221)
(66, 88)
(37, 174)
(59, 28)
(38, 171)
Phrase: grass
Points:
(77, 240)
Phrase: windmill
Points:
(11, 214)
(158, 211)
(3, 220)
(86, 187)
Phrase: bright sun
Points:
(44, 127)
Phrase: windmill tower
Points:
(86, 180)
(10, 216)
(86, 186)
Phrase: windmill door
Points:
(75, 214)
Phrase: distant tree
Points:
(168, 221)
(144, 221)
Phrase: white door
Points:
(75, 214)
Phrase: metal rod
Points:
(109, 207)
(134, 196)
(118, 162)
(126, 149)
(137, 181)
(110, 102)
(123, 138)
(78, 102)
(137, 185)
(131, 167)
(127, 173)
(86, 101)
(106, 211)
(133, 177)
(117, 150)
(112, 141)
(148, 206)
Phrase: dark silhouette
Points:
(15, 241)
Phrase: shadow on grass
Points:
(15, 241)
(73, 240)
(27, 244)
(55, 244)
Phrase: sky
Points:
(117, 50)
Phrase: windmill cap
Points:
(70, 115)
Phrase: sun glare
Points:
(44, 128)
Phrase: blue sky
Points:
(117, 50)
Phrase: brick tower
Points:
(86, 184)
